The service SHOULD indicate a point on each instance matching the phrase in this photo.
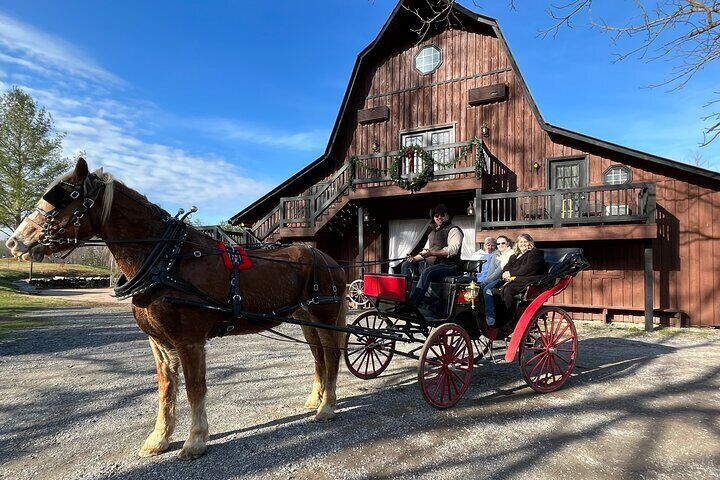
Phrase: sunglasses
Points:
(502, 243)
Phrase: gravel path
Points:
(77, 400)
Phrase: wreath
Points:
(413, 154)
(416, 182)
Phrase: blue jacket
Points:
(491, 264)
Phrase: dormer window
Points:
(428, 59)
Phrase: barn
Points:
(448, 118)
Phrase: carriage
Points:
(451, 340)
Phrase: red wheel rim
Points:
(446, 365)
(367, 356)
(548, 350)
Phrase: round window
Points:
(428, 59)
(617, 175)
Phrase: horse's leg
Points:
(166, 362)
(315, 397)
(331, 353)
(192, 358)
(332, 342)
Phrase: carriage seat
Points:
(469, 268)
(561, 263)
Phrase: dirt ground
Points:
(78, 398)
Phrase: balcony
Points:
(614, 206)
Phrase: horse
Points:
(132, 226)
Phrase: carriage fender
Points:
(528, 314)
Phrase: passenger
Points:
(494, 276)
(526, 265)
(441, 255)
(489, 254)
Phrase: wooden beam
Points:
(361, 240)
(373, 115)
(435, 186)
(569, 234)
(478, 216)
(489, 94)
(648, 287)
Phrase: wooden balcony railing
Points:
(450, 159)
(574, 206)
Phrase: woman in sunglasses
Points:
(504, 252)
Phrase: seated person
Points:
(526, 266)
(494, 276)
(489, 255)
(441, 255)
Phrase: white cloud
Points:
(109, 127)
(313, 141)
(35, 50)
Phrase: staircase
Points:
(305, 215)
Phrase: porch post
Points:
(648, 286)
(361, 243)
(478, 213)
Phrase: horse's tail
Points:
(341, 320)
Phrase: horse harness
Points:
(157, 267)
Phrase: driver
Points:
(441, 255)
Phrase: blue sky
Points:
(214, 103)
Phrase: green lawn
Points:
(14, 303)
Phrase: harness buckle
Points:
(237, 298)
(315, 287)
(75, 194)
(88, 203)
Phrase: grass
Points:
(14, 304)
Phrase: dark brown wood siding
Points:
(687, 251)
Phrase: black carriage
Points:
(455, 336)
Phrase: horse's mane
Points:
(111, 183)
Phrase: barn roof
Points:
(465, 13)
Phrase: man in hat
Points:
(441, 255)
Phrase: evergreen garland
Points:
(415, 183)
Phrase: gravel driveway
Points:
(77, 400)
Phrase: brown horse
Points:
(177, 333)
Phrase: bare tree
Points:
(684, 32)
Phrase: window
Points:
(428, 59)
(432, 141)
(617, 175)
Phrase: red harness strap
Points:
(234, 257)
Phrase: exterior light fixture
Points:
(471, 208)
(375, 146)
(536, 166)
(485, 130)
(366, 216)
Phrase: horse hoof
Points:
(153, 448)
(324, 414)
(191, 452)
(313, 403)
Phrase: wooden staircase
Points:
(305, 215)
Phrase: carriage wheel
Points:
(446, 365)
(367, 356)
(482, 347)
(356, 292)
(548, 350)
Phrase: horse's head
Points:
(62, 216)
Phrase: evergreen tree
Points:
(30, 155)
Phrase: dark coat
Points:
(529, 267)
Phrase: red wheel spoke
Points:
(559, 335)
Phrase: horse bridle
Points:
(60, 196)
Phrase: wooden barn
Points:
(451, 117)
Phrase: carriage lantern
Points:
(471, 293)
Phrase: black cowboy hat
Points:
(441, 208)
